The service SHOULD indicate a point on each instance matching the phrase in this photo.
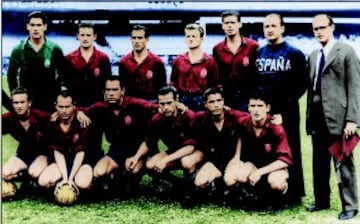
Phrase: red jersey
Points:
(126, 130)
(87, 79)
(218, 146)
(174, 132)
(142, 80)
(271, 145)
(196, 77)
(235, 69)
(69, 143)
(31, 141)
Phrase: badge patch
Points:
(39, 135)
(149, 74)
(47, 63)
(203, 73)
(127, 120)
(245, 61)
(75, 137)
(96, 72)
(268, 148)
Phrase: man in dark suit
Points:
(333, 110)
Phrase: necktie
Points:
(320, 70)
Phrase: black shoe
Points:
(344, 215)
(187, 202)
(211, 189)
(277, 209)
(314, 208)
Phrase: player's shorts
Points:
(27, 159)
(93, 157)
(221, 166)
(119, 156)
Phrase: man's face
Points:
(273, 29)
(258, 110)
(138, 40)
(322, 29)
(167, 104)
(192, 38)
(36, 28)
(86, 37)
(21, 103)
(231, 26)
(113, 92)
(215, 104)
(64, 107)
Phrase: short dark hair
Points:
(169, 89)
(20, 90)
(37, 14)
(260, 95)
(65, 93)
(230, 13)
(195, 26)
(141, 27)
(281, 18)
(213, 90)
(86, 25)
(113, 78)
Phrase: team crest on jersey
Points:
(39, 135)
(96, 72)
(212, 150)
(47, 63)
(149, 74)
(76, 138)
(268, 147)
(128, 120)
(203, 73)
(246, 61)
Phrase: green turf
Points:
(151, 210)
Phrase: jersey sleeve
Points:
(282, 148)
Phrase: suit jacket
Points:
(340, 88)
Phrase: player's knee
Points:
(149, 164)
(35, 171)
(229, 180)
(187, 164)
(278, 185)
(200, 181)
(99, 170)
(242, 178)
(278, 180)
(6, 174)
(7, 171)
(6, 177)
(84, 177)
(44, 181)
(83, 182)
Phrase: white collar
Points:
(327, 48)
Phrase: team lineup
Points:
(230, 121)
